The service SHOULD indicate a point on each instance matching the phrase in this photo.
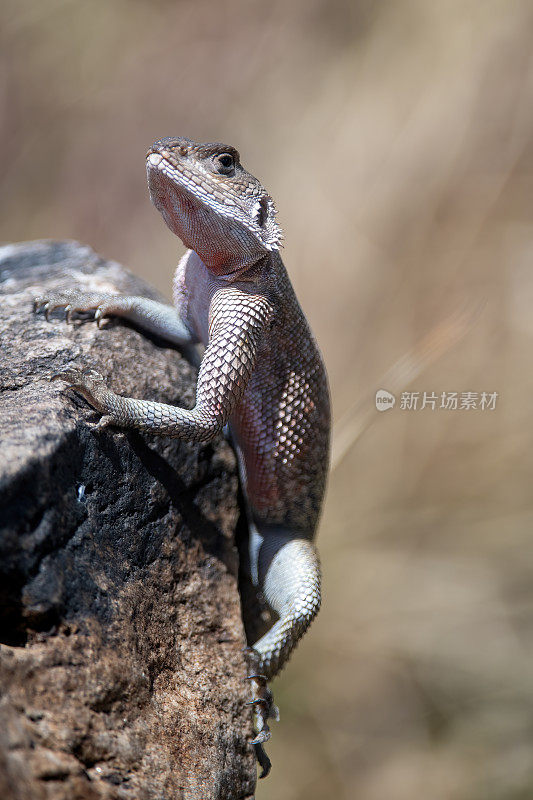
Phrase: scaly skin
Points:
(261, 372)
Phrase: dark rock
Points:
(121, 662)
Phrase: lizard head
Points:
(208, 199)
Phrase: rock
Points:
(121, 664)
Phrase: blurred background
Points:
(396, 139)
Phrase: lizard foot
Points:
(263, 704)
(91, 385)
(76, 304)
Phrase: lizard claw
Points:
(98, 316)
(258, 701)
(103, 422)
(39, 304)
(82, 304)
(262, 737)
(262, 759)
(263, 704)
(68, 374)
(90, 384)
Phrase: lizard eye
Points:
(224, 163)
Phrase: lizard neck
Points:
(250, 273)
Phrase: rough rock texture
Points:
(121, 662)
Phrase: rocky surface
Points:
(121, 662)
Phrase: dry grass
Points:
(397, 140)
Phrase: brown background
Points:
(396, 138)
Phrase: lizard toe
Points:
(69, 375)
(262, 759)
(88, 383)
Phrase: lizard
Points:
(261, 375)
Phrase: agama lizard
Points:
(261, 372)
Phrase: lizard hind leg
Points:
(287, 569)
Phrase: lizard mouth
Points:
(167, 188)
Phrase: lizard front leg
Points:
(237, 321)
(150, 315)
